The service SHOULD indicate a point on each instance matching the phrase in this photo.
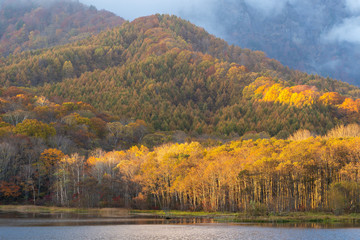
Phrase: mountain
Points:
(175, 76)
(35, 24)
(164, 80)
(318, 36)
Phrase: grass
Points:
(103, 212)
(300, 217)
(288, 217)
(176, 213)
(291, 217)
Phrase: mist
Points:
(353, 5)
(203, 12)
(138, 8)
(269, 7)
(316, 36)
(347, 31)
(200, 12)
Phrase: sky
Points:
(131, 9)
(200, 12)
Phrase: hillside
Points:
(165, 81)
(50, 154)
(36, 24)
(175, 76)
(36, 133)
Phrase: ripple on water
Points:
(200, 231)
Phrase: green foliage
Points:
(175, 76)
(345, 197)
(257, 209)
(35, 128)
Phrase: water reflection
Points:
(71, 219)
(166, 231)
(334, 225)
(81, 219)
(62, 226)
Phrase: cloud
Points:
(138, 8)
(199, 12)
(269, 6)
(347, 31)
(353, 5)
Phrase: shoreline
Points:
(220, 217)
(33, 209)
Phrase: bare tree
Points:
(7, 153)
(341, 131)
(300, 135)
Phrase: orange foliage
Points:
(9, 189)
(50, 157)
(331, 98)
(350, 105)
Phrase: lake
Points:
(70, 226)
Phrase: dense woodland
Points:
(175, 76)
(36, 24)
(158, 114)
(257, 176)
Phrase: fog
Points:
(137, 8)
(347, 31)
(269, 7)
(353, 5)
(200, 12)
(317, 36)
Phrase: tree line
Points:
(303, 173)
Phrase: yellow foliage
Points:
(350, 105)
(273, 93)
(331, 98)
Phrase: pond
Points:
(77, 226)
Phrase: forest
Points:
(175, 76)
(159, 114)
(302, 173)
(31, 24)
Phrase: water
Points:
(202, 231)
(63, 227)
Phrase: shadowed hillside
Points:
(35, 24)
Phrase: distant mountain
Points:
(35, 24)
(314, 36)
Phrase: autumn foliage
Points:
(158, 114)
(282, 175)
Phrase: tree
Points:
(68, 177)
(68, 69)
(7, 155)
(341, 131)
(9, 189)
(300, 135)
(49, 159)
(35, 128)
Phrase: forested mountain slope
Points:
(175, 76)
(160, 73)
(35, 24)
